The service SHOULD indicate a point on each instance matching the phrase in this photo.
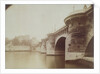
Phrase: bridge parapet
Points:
(78, 14)
(63, 29)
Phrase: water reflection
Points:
(36, 60)
(55, 62)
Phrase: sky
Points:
(36, 20)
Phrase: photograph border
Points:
(96, 40)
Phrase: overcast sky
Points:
(36, 20)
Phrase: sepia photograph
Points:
(49, 36)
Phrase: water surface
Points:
(36, 60)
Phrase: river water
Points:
(36, 60)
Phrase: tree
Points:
(15, 41)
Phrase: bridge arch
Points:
(89, 52)
(58, 37)
(60, 46)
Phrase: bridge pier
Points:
(50, 44)
(80, 32)
(43, 46)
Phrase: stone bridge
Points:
(75, 39)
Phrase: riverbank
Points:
(17, 48)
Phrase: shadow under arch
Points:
(60, 46)
(89, 52)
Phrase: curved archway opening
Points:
(90, 49)
(60, 46)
